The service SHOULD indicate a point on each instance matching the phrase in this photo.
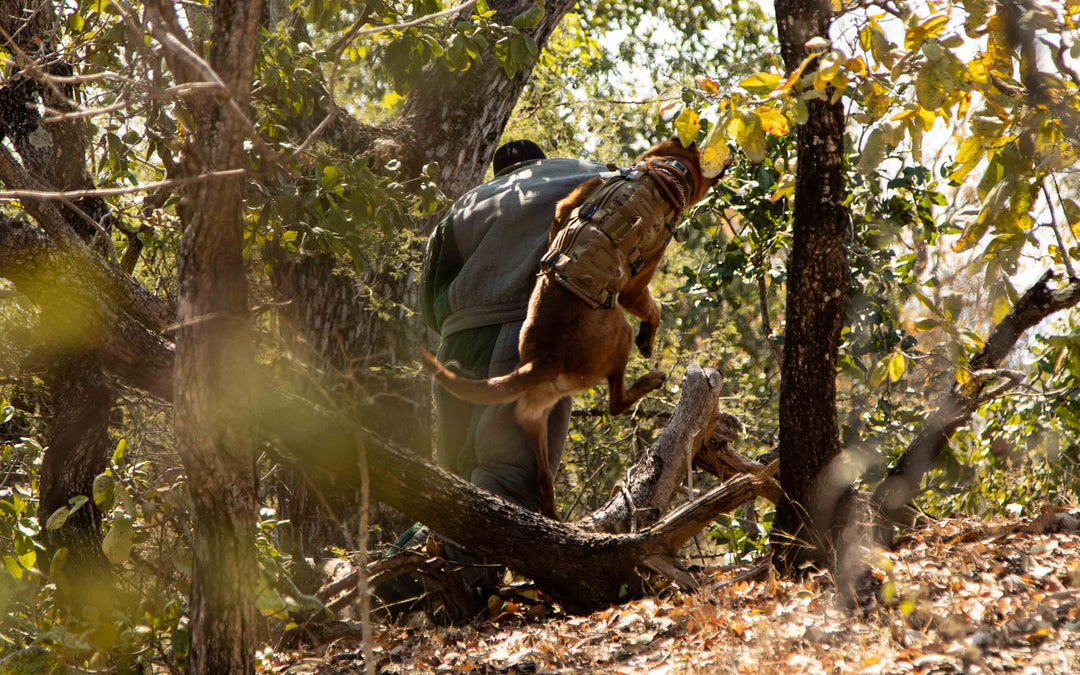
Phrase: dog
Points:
(573, 337)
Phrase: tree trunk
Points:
(82, 398)
(806, 517)
(455, 119)
(214, 359)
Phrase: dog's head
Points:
(672, 147)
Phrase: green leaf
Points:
(528, 19)
(270, 602)
(13, 567)
(58, 518)
(687, 125)
(126, 501)
(118, 454)
(879, 372)
(118, 542)
(104, 490)
(330, 176)
(28, 559)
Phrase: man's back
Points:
(491, 243)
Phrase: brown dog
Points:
(572, 336)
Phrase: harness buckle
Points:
(609, 301)
(549, 260)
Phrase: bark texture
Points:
(816, 293)
(455, 118)
(214, 360)
(82, 397)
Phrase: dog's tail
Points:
(502, 389)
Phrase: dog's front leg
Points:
(635, 298)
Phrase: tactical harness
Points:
(626, 220)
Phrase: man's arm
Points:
(442, 263)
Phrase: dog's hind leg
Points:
(619, 398)
(532, 415)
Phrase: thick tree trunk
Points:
(816, 293)
(214, 359)
(455, 119)
(77, 451)
(82, 397)
(892, 498)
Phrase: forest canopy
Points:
(212, 220)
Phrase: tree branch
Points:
(891, 498)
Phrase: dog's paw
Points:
(644, 340)
(652, 380)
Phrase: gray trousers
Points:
(484, 442)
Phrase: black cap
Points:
(513, 152)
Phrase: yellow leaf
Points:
(714, 153)
(970, 149)
(751, 137)
(687, 125)
(962, 376)
(13, 567)
(930, 85)
(1072, 215)
(926, 323)
(760, 83)
(857, 66)
(1001, 307)
(932, 27)
(897, 366)
(873, 152)
(785, 187)
(773, 121)
(828, 67)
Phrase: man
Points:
(479, 271)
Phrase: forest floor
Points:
(957, 596)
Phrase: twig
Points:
(363, 589)
(345, 39)
(1057, 232)
(60, 195)
(766, 325)
(180, 48)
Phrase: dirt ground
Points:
(957, 596)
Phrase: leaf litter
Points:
(957, 596)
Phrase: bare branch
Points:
(1057, 232)
(54, 195)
